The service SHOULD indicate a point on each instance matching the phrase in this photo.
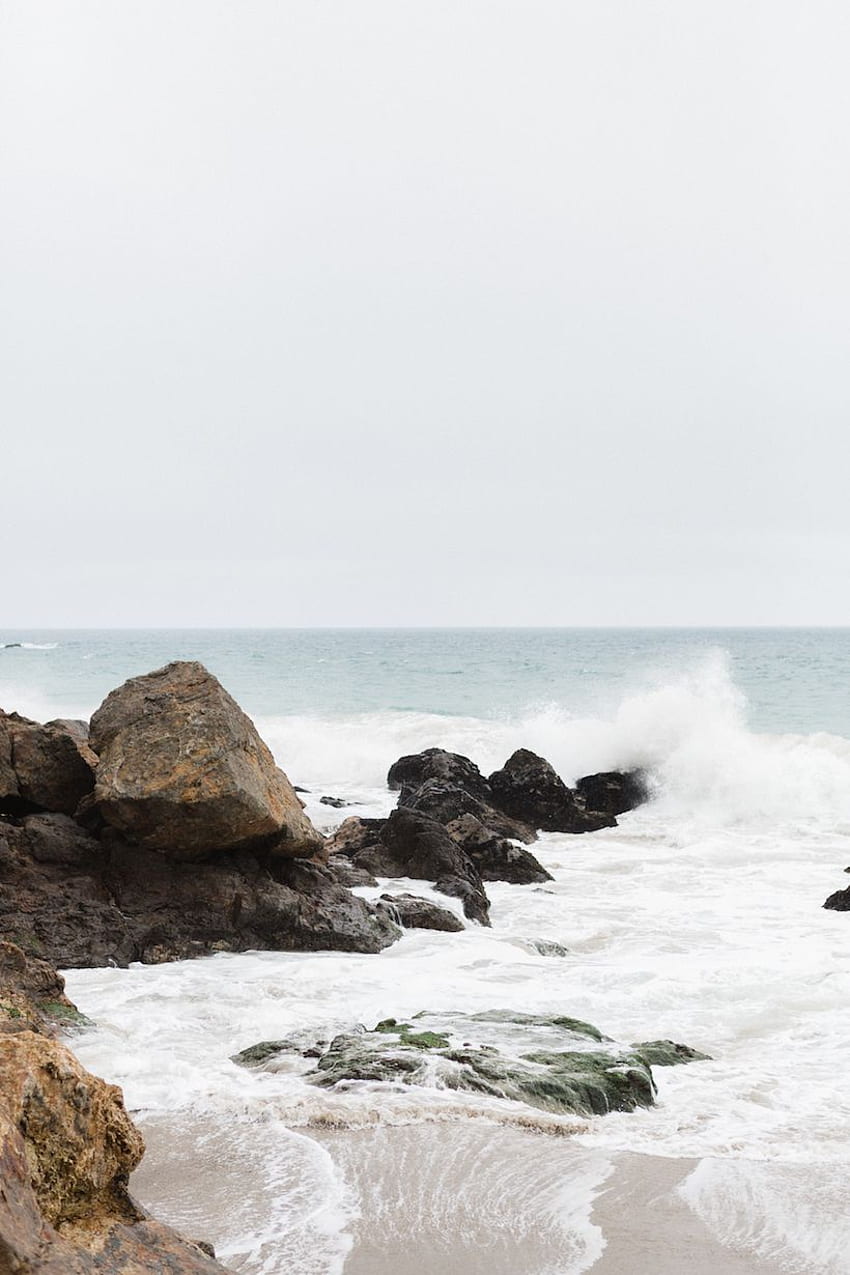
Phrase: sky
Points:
(389, 312)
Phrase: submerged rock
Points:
(527, 788)
(552, 1063)
(183, 771)
(667, 1053)
(613, 792)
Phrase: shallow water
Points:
(699, 918)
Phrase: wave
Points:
(29, 646)
(689, 733)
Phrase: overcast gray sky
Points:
(432, 312)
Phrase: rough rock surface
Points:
(85, 902)
(48, 767)
(183, 771)
(839, 901)
(527, 788)
(613, 792)
(67, 1147)
(553, 1063)
(419, 914)
(412, 845)
(445, 802)
(496, 858)
(412, 771)
(354, 834)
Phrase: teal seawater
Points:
(793, 680)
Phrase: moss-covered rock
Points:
(554, 1063)
(666, 1053)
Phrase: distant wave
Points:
(30, 646)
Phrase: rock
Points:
(435, 763)
(347, 873)
(354, 834)
(183, 771)
(32, 994)
(42, 767)
(82, 902)
(613, 792)
(446, 802)
(496, 858)
(337, 803)
(543, 1062)
(67, 1147)
(414, 913)
(412, 845)
(527, 788)
(839, 901)
(666, 1053)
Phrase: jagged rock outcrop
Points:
(81, 901)
(496, 858)
(410, 772)
(183, 771)
(412, 845)
(528, 788)
(613, 792)
(419, 914)
(446, 802)
(67, 1148)
(43, 767)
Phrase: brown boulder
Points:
(67, 1147)
(43, 767)
(183, 771)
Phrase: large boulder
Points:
(412, 845)
(48, 767)
(528, 788)
(613, 792)
(182, 770)
(67, 1147)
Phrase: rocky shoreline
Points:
(164, 830)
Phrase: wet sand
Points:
(452, 1199)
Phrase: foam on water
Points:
(698, 919)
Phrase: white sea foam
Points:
(698, 919)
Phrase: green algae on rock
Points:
(554, 1063)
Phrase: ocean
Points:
(697, 919)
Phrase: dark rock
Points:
(496, 858)
(412, 845)
(414, 913)
(183, 771)
(840, 901)
(613, 792)
(337, 803)
(347, 873)
(527, 788)
(42, 767)
(354, 834)
(435, 763)
(447, 802)
(83, 902)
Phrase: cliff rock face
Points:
(183, 771)
(67, 1148)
